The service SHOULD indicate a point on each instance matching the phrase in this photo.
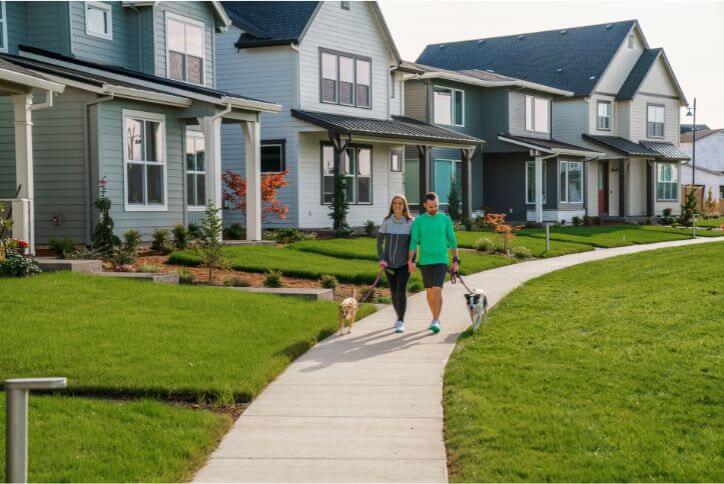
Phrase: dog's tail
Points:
(354, 292)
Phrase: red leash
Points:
(372, 287)
(454, 276)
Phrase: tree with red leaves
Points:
(497, 222)
(235, 193)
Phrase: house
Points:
(519, 150)
(335, 69)
(709, 162)
(120, 91)
(625, 104)
(686, 128)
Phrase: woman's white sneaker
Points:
(399, 327)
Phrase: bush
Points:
(127, 253)
(596, 220)
(666, 217)
(587, 221)
(480, 222)
(453, 203)
(288, 235)
(529, 224)
(328, 281)
(485, 244)
(180, 237)
(151, 268)
(415, 285)
(185, 276)
(576, 220)
(103, 239)
(195, 231)
(17, 264)
(235, 232)
(85, 254)
(273, 279)
(370, 228)
(238, 281)
(563, 222)
(521, 252)
(161, 241)
(208, 245)
(62, 247)
(468, 224)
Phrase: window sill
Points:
(99, 35)
(145, 208)
(195, 208)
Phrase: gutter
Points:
(465, 79)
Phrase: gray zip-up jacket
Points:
(393, 241)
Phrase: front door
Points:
(603, 188)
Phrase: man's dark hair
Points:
(430, 196)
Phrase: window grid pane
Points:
(442, 99)
(459, 101)
(541, 115)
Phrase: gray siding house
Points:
(625, 104)
(120, 91)
(335, 69)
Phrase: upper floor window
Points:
(98, 20)
(667, 182)
(272, 156)
(571, 181)
(184, 49)
(144, 160)
(537, 112)
(655, 121)
(630, 41)
(448, 106)
(3, 28)
(604, 115)
(195, 170)
(346, 79)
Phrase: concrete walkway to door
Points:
(367, 407)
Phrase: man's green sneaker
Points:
(435, 326)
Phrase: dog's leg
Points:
(341, 323)
(352, 318)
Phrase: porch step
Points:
(50, 264)
(315, 294)
(165, 278)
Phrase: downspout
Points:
(226, 111)
(48, 103)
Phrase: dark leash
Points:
(372, 287)
(455, 277)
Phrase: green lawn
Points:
(701, 232)
(607, 235)
(536, 245)
(87, 440)
(608, 371)
(711, 222)
(114, 336)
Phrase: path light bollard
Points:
(548, 237)
(694, 227)
(16, 422)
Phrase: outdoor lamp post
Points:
(692, 112)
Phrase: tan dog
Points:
(348, 312)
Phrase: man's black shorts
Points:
(433, 275)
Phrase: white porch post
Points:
(23, 213)
(252, 172)
(538, 188)
(212, 138)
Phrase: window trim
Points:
(194, 134)
(545, 181)
(663, 124)
(532, 113)
(282, 143)
(677, 183)
(355, 58)
(100, 6)
(568, 164)
(189, 21)
(610, 115)
(145, 116)
(400, 157)
(322, 144)
(4, 23)
(453, 111)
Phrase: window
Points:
(530, 182)
(98, 20)
(273, 156)
(449, 106)
(395, 160)
(3, 28)
(344, 5)
(185, 49)
(195, 170)
(667, 182)
(604, 115)
(144, 157)
(392, 84)
(571, 181)
(345, 79)
(536, 114)
(412, 180)
(630, 41)
(447, 172)
(356, 166)
(655, 121)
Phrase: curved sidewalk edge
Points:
(367, 406)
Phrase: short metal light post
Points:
(16, 423)
(694, 226)
(548, 237)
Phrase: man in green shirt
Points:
(433, 232)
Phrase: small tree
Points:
(209, 246)
(453, 203)
(710, 205)
(688, 209)
(235, 193)
(340, 206)
(103, 239)
(500, 226)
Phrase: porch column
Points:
(467, 196)
(211, 127)
(252, 173)
(622, 188)
(423, 170)
(539, 188)
(23, 212)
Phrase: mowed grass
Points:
(75, 439)
(536, 245)
(113, 336)
(607, 235)
(710, 222)
(608, 371)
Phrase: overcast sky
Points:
(691, 33)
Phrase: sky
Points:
(691, 33)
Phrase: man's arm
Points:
(452, 243)
(414, 240)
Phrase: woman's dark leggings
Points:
(397, 278)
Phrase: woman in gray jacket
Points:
(393, 241)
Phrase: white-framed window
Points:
(273, 153)
(396, 160)
(3, 28)
(356, 166)
(448, 106)
(655, 121)
(99, 20)
(667, 182)
(603, 116)
(537, 114)
(446, 172)
(530, 182)
(571, 181)
(345, 79)
(195, 170)
(185, 49)
(630, 41)
(144, 161)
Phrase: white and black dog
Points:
(477, 303)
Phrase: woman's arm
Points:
(380, 243)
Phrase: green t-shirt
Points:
(435, 235)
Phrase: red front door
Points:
(603, 188)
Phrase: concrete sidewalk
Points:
(367, 407)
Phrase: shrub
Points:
(468, 224)
(328, 281)
(370, 228)
(596, 220)
(587, 221)
(127, 253)
(238, 281)
(689, 208)
(484, 244)
(273, 279)
(195, 231)
(85, 254)
(235, 232)
(161, 241)
(208, 246)
(480, 222)
(453, 203)
(287, 235)
(185, 276)
(152, 268)
(14, 262)
(648, 221)
(62, 247)
(415, 285)
(576, 220)
(533, 225)
(103, 239)
(521, 252)
(666, 217)
(563, 222)
(180, 237)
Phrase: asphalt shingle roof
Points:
(700, 133)
(547, 144)
(668, 151)
(638, 74)
(572, 59)
(399, 127)
(622, 145)
(270, 23)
